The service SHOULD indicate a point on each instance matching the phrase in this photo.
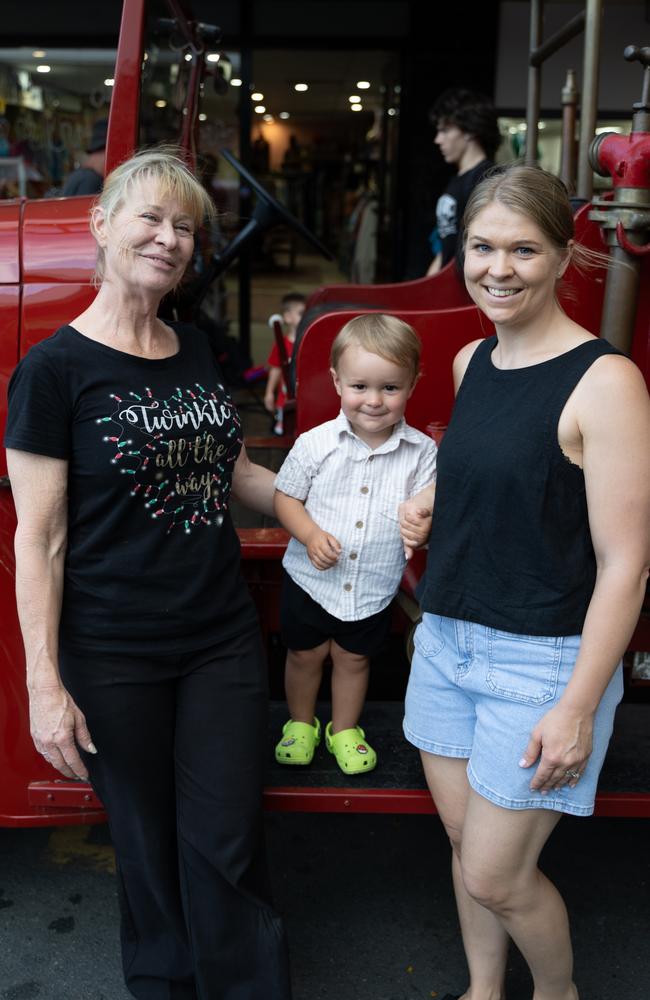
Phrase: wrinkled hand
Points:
(562, 741)
(323, 549)
(414, 525)
(58, 727)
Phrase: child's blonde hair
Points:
(379, 333)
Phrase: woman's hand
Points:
(323, 549)
(562, 741)
(414, 524)
(269, 402)
(58, 727)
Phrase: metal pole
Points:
(589, 97)
(534, 84)
(559, 39)
(568, 153)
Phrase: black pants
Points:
(181, 747)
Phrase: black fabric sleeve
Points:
(40, 413)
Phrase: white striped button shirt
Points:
(353, 492)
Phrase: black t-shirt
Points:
(450, 207)
(152, 561)
(83, 180)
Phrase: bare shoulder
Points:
(462, 360)
(613, 392)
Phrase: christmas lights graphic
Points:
(184, 480)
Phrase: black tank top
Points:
(510, 544)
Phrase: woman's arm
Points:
(323, 549)
(253, 485)
(613, 413)
(39, 486)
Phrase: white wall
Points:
(620, 82)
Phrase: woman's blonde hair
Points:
(164, 165)
(379, 333)
(541, 197)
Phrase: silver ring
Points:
(572, 774)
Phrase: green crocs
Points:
(353, 754)
(299, 740)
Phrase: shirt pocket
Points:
(523, 668)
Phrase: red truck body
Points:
(47, 258)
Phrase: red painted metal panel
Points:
(57, 243)
(45, 307)
(9, 311)
(9, 242)
(124, 117)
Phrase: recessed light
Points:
(235, 82)
(301, 87)
(213, 57)
(110, 82)
(259, 109)
(284, 115)
(268, 118)
(188, 57)
(161, 104)
(203, 118)
(356, 107)
(43, 68)
(363, 85)
(257, 96)
(392, 112)
(39, 54)
(354, 98)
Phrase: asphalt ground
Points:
(367, 901)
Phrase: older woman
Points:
(144, 664)
(537, 568)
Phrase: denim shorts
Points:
(477, 692)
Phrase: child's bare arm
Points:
(322, 548)
(272, 384)
(415, 519)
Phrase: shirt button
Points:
(364, 489)
(347, 586)
(371, 458)
(353, 555)
(359, 524)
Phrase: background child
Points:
(293, 308)
(337, 494)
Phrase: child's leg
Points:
(350, 672)
(302, 678)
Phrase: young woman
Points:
(539, 552)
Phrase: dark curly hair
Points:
(472, 113)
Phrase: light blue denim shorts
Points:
(477, 692)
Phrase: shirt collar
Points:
(401, 432)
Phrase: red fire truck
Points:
(47, 258)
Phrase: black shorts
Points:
(304, 624)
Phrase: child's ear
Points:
(336, 380)
(414, 383)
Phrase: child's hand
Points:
(269, 402)
(323, 549)
(414, 525)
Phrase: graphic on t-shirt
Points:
(446, 216)
(182, 479)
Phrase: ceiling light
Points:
(354, 98)
(203, 118)
(161, 104)
(356, 107)
(39, 54)
(257, 96)
(213, 57)
(363, 85)
(43, 68)
(301, 87)
(284, 115)
(521, 127)
(541, 125)
(235, 82)
(268, 118)
(392, 112)
(259, 109)
(188, 57)
(110, 82)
